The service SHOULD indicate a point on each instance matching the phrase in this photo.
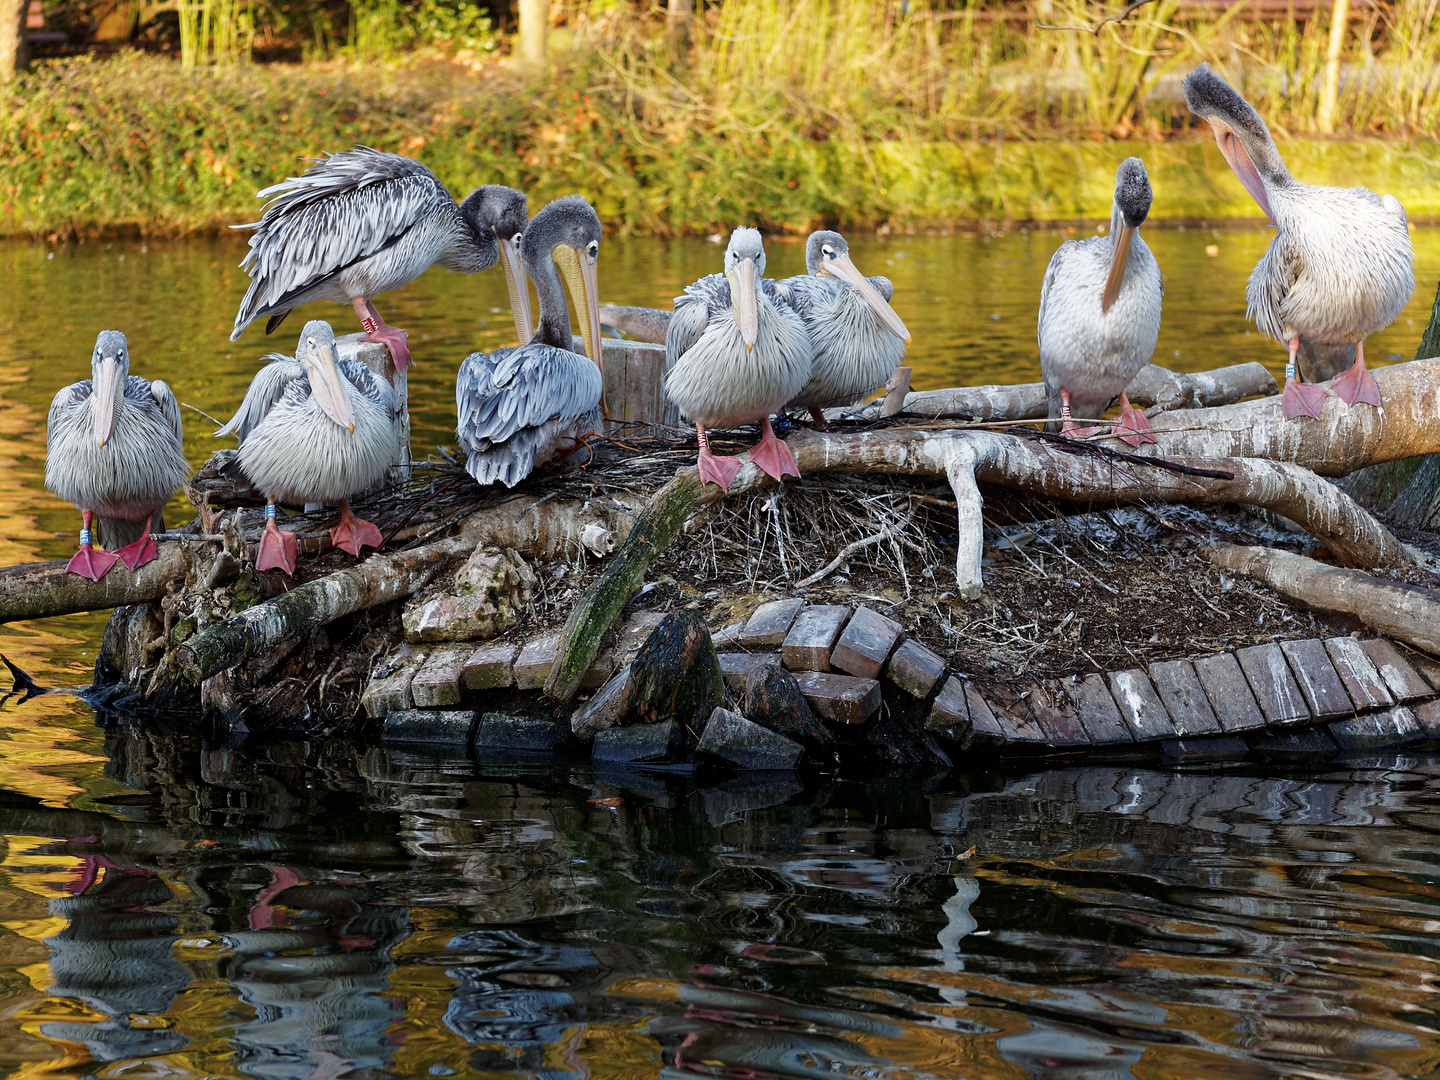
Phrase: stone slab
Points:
(633, 632)
(949, 716)
(1296, 744)
(1428, 717)
(437, 683)
(1320, 684)
(1400, 677)
(1211, 748)
(389, 687)
(985, 730)
(603, 710)
(1140, 706)
(866, 644)
(1377, 730)
(728, 636)
(599, 671)
(436, 727)
(532, 666)
(639, 743)
(1268, 673)
(1184, 698)
(1098, 711)
(840, 699)
(915, 669)
(747, 745)
(1057, 717)
(1358, 674)
(502, 731)
(491, 666)
(1229, 693)
(770, 623)
(812, 636)
(735, 667)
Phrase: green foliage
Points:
(382, 28)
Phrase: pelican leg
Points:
(377, 329)
(714, 468)
(772, 455)
(1356, 385)
(817, 418)
(277, 550)
(1067, 425)
(141, 551)
(354, 533)
(89, 562)
(1133, 421)
(1299, 399)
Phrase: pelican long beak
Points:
(583, 280)
(106, 402)
(842, 268)
(519, 288)
(328, 387)
(1118, 260)
(747, 306)
(1242, 166)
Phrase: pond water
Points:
(174, 909)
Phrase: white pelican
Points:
(361, 222)
(522, 406)
(1100, 314)
(1340, 266)
(735, 352)
(315, 429)
(114, 448)
(857, 337)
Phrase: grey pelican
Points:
(640, 323)
(520, 407)
(1340, 266)
(314, 428)
(361, 222)
(857, 337)
(1100, 314)
(114, 448)
(735, 352)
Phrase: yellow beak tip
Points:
(749, 346)
(352, 428)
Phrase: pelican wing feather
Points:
(504, 392)
(266, 390)
(692, 315)
(164, 397)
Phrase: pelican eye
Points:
(593, 248)
(516, 238)
(828, 252)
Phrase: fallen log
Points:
(1406, 613)
(40, 590)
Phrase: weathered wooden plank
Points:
(1140, 706)
(1098, 712)
(1207, 748)
(1057, 717)
(866, 644)
(986, 734)
(1358, 674)
(389, 687)
(1320, 684)
(1428, 666)
(491, 666)
(1268, 673)
(949, 716)
(635, 386)
(735, 668)
(1294, 744)
(814, 633)
(1229, 693)
(915, 669)
(1023, 732)
(1377, 730)
(437, 683)
(770, 623)
(532, 666)
(1184, 698)
(1402, 680)
(841, 699)
(1428, 717)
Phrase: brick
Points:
(770, 623)
(603, 710)
(389, 687)
(532, 666)
(437, 683)
(813, 634)
(736, 667)
(1057, 717)
(985, 730)
(841, 699)
(502, 731)
(1401, 679)
(1023, 733)
(949, 717)
(1358, 673)
(640, 743)
(866, 644)
(1428, 717)
(437, 727)
(491, 666)
(1213, 748)
(599, 671)
(1428, 666)
(1294, 744)
(1140, 706)
(1268, 673)
(915, 669)
(747, 745)
(1184, 698)
(1378, 730)
(1230, 696)
(728, 637)
(1320, 684)
(1097, 711)
(633, 632)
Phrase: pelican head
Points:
(109, 366)
(1132, 206)
(316, 353)
(744, 267)
(568, 232)
(828, 255)
(1240, 133)
(505, 212)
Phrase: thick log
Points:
(1406, 613)
(40, 590)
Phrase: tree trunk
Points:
(534, 26)
(1330, 86)
(12, 38)
(679, 15)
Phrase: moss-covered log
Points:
(40, 590)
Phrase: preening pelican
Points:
(1100, 314)
(361, 222)
(114, 448)
(857, 337)
(522, 406)
(314, 428)
(640, 323)
(1339, 268)
(735, 352)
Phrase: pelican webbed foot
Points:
(277, 550)
(140, 552)
(717, 469)
(1301, 399)
(1356, 385)
(1133, 426)
(378, 330)
(353, 533)
(90, 562)
(1069, 430)
(772, 455)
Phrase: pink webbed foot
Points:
(1133, 426)
(352, 533)
(1070, 431)
(89, 562)
(277, 550)
(140, 552)
(717, 469)
(1301, 399)
(1356, 386)
(773, 456)
(393, 339)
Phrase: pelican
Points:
(114, 448)
(1339, 268)
(361, 222)
(640, 323)
(522, 406)
(1100, 314)
(314, 429)
(735, 352)
(857, 337)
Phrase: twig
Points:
(202, 412)
(1121, 17)
(845, 553)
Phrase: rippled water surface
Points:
(174, 909)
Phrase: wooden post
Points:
(679, 15)
(635, 384)
(534, 24)
(1330, 86)
(12, 38)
